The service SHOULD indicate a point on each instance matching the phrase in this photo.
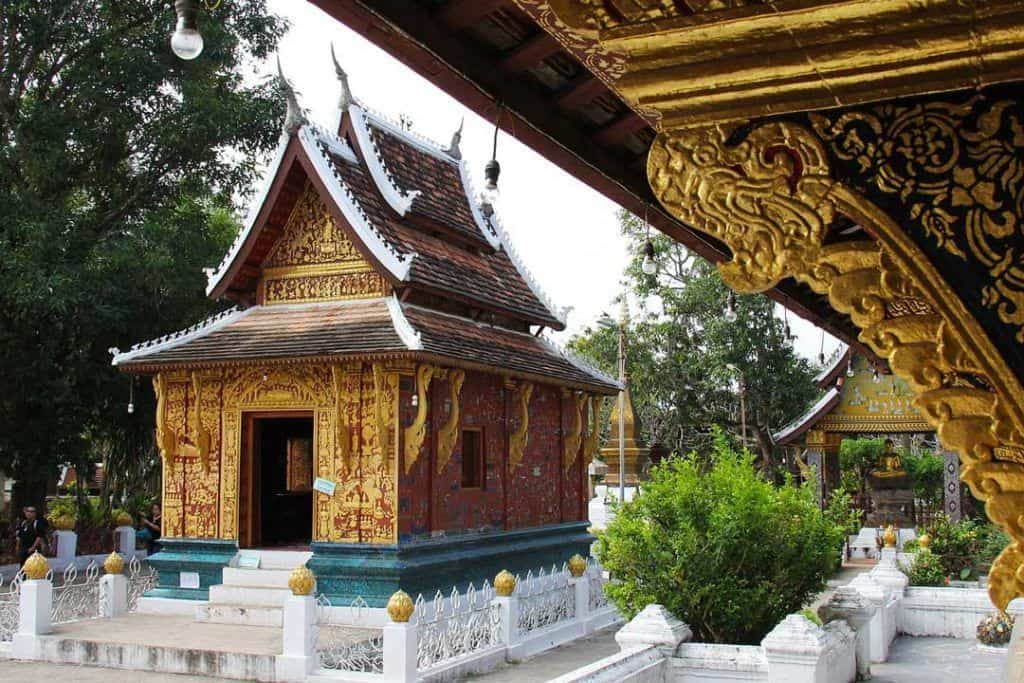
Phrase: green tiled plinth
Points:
(206, 557)
(345, 571)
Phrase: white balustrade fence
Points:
(76, 596)
(458, 633)
(9, 597)
(142, 578)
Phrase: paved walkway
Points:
(939, 660)
(34, 672)
(554, 663)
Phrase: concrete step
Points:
(256, 577)
(159, 658)
(240, 615)
(249, 596)
(283, 559)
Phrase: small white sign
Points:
(324, 486)
(248, 559)
(188, 579)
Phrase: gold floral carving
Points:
(595, 15)
(520, 436)
(593, 440)
(574, 438)
(449, 432)
(770, 198)
(417, 431)
(198, 445)
(342, 435)
(381, 409)
(332, 286)
(312, 236)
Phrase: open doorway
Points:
(277, 497)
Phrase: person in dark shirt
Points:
(31, 534)
(152, 524)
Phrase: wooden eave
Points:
(442, 42)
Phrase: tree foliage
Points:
(681, 343)
(119, 165)
(723, 549)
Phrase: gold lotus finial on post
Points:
(924, 541)
(889, 537)
(400, 607)
(114, 564)
(301, 580)
(577, 565)
(36, 567)
(504, 583)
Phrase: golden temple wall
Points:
(352, 404)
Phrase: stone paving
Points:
(939, 660)
(554, 663)
(34, 672)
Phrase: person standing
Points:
(31, 534)
(152, 524)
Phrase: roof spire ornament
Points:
(294, 117)
(453, 148)
(346, 98)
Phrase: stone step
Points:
(240, 615)
(158, 658)
(277, 578)
(249, 596)
(283, 559)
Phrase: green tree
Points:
(926, 471)
(118, 171)
(682, 344)
(723, 549)
(860, 457)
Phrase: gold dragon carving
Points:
(199, 445)
(449, 432)
(166, 439)
(575, 436)
(520, 436)
(417, 431)
(770, 198)
(593, 439)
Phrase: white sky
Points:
(565, 232)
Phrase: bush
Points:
(991, 541)
(926, 569)
(841, 511)
(956, 544)
(926, 472)
(721, 548)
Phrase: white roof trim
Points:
(580, 364)
(482, 223)
(506, 243)
(793, 426)
(399, 200)
(397, 264)
(406, 332)
(832, 363)
(214, 276)
(175, 338)
(420, 142)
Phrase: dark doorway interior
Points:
(284, 451)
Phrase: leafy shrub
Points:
(911, 546)
(956, 544)
(926, 569)
(721, 548)
(991, 541)
(926, 476)
(841, 511)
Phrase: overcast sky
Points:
(565, 232)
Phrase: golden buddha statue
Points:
(889, 462)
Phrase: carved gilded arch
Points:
(771, 195)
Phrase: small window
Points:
(472, 459)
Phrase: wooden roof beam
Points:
(461, 14)
(581, 91)
(618, 130)
(530, 53)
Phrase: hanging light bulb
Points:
(785, 327)
(821, 349)
(849, 367)
(489, 195)
(649, 265)
(265, 376)
(186, 41)
(131, 396)
(415, 400)
(730, 307)
(875, 377)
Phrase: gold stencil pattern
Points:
(770, 198)
(449, 432)
(312, 237)
(574, 438)
(520, 436)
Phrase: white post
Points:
(581, 588)
(509, 609)
(35, 603)
(653, 626)
(848, 604)
(113, 595)
(794, 650)
(400, 652)
(879, 597)
(298, 639)
(67, 545)
(125, 540)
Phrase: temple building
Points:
(380, 395)
(862, 400)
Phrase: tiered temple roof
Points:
(452, 289)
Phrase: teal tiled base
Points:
(345, 571)
(206, 557)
